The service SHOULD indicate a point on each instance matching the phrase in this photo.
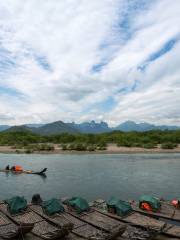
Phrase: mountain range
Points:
(59, 127)
(142, 127)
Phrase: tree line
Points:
(151, 139)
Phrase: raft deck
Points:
(167, 211)
(96, 224)
(139, 219)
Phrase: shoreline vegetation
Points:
(155, 141)
(110, 149)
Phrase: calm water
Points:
(93, 176)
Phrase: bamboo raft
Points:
(40, 228)
(145, 220)
(101, 228)
(167, 211)
(96, 224)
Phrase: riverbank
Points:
(111, 149)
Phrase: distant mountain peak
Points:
(91, 127)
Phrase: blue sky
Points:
(160, 52)
(81, 60)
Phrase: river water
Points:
(93, 176)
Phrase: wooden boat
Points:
(133, 229)
(42, 172)
(94, 224)
(98, 212)
(90, 230)
(140, 220)
(98, 220)
(167, 211)
(41, 228)
(106, 223)
(9, 230)
(80, 228)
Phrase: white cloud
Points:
(52, 46)
(158, 96)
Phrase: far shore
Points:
(111, 149)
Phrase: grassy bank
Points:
(110, 149)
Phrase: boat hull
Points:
(24, 171)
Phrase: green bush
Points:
(72, 146)
(137, 144)
(149, 145)
(39, 147)
(125, 144)
(17, 151)
(64, 147)
(80, 147)
(45, 147)
(168, 145)
(91, 148)
(28, 151)
(77, 147)
(49, 147)
(101, 148)
(102, 144)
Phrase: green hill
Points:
(55, 128)
(21, 128)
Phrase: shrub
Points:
(101, 148)
(80, 147)
(91, 148)
(72, 146)
(40, 147)
(64, 147)
(125, 144)
(44, 147)
(149, 145)
(102, 144)
(168, 145)
(49, 147)
(77, 147)
(137, 144)
(28, 151)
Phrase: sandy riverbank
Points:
(111, 149)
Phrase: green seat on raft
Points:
(78, 203)
(16, 204)
(152, 201)
(52, 206)
(121, 207)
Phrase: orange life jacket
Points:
(146, 206)
(18, 168)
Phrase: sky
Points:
(79, 60)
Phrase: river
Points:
(93, 176)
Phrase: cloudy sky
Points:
(78, 60)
